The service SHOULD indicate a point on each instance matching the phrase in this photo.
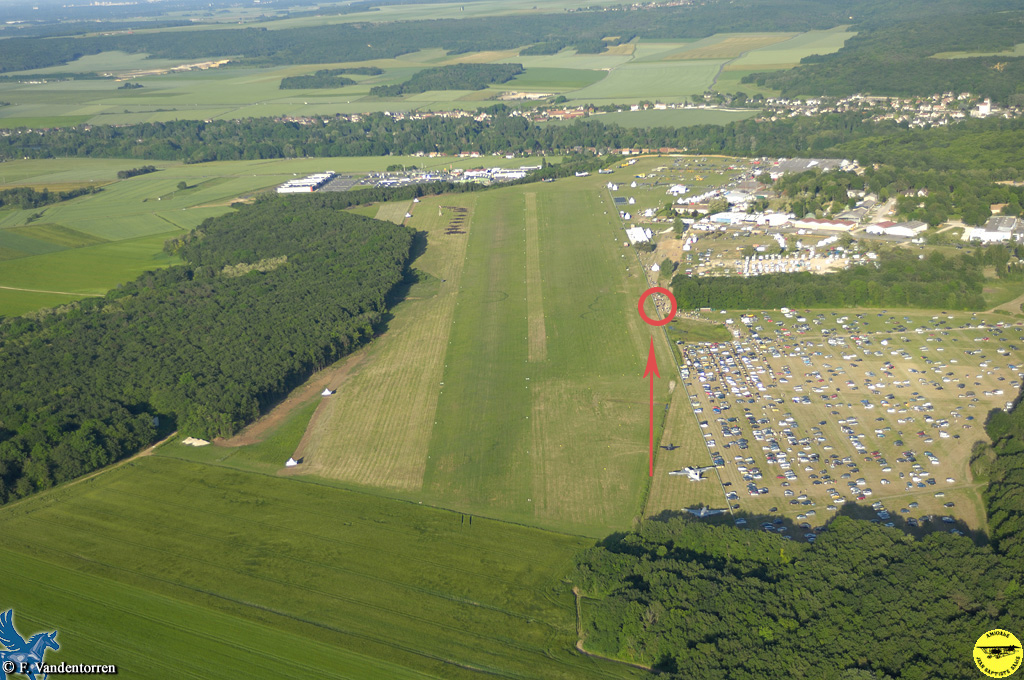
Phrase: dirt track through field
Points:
(330, 377)
(537, 343)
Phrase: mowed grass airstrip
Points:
(642, 70)
(516, 390)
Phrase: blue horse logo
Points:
(22, 657)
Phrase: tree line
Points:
(265, 296)
(927, 195)
(327, 78)
(134, 172)
(894, 54)
(897, 279)
(27, 198)
(990, 149)
(864, 602)
(1001, 463)
(453, 77)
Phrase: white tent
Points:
(291, 462)
(327, 392)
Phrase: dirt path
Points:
(52, 292)
(330, 377)
(1013, 306)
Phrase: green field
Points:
(159, 564)
(790, 52)
(515, 391)
(664, 80)
(91, 244)
(668, 71)
(541, 79)
(726, 45)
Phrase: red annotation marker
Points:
(652, 365)
(651, 370)
(657, 322)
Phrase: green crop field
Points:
(727, 45)
(790, 52)
(90, 270)
(160, 563)
(553, 79)
(668, 81)
(515, 391)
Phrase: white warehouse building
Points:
(306, 185)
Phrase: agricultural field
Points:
(504, 393)
(88, 245)
(668, 81)
(727, 46)
(159, 562)
(787, 53)
(665, 71)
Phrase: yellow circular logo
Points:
(998, 653)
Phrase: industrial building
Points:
(997, 229)
(306, 185)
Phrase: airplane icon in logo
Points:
(999, 651)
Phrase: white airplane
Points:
(703, 511)
(694, 473)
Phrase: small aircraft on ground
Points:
(693, 473)
(703, 511)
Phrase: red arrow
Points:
(651, 370)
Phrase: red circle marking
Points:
(656, 322)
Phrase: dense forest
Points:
(454, 77)
(898, 279)
(1002, 464)
(896, 57)
(327, 78)
(265, 296)
(27, 198)
(929, 196)
(864, 602)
